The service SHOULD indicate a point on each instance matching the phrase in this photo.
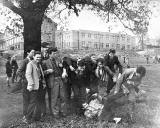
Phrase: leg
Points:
(13, 76)
(49, 99)
(81, 99)
(41, 100)
(65, 94)
(110, 84)
(32, 108)
(25, 98)
(8, 80)
(75, 98)
(55, 94)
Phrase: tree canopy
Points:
(133, 14)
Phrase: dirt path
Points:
(147, 114)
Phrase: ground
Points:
(146, 115)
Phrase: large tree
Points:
(32, 11)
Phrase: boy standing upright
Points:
(35, 79)
(54, 83)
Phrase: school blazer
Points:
(32, 75)
(47, 64)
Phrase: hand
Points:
(60, 65)
(119, 75)
(44, 86)
(64, 75)
(29, 88)
(50, 70)
(114, 78)
(87, 90)
(72, 69)
(95, 95)
(115, 92)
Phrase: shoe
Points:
(62, 114)
(43, 115)
(117, 120)
(57, 116)
(24, 120)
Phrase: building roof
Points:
(49, 19)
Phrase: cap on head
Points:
(50, 50)
(112, 51)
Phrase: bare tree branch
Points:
(42, 4)
(11, 6)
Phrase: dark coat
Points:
(14, 65)
(22, 68)
(51, 64)
(8, 69)
(111, 63)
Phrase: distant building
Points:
(10, 40)
(85, 39)
(2, 42)
(48, 29)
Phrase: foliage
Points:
(132, 14)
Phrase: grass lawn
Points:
(146, 115)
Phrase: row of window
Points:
(112, 37)
(15, 47)
(102, 45)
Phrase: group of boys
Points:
(44, 75)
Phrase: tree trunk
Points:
(32, 33)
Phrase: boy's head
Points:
(141, 71)
(112, 53)
(100, 62)
(52, 52)
(37, 56)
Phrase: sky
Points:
(89, 21)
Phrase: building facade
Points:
(13, 42)
(85, 39)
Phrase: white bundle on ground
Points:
(93, 109)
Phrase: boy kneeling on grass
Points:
(126, 92)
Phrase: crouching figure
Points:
(126, 92)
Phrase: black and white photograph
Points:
(79, 63)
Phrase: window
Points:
(100, 45)
(107, 37)
(83, 35)
(89, 35)
(123, 38)
(96, 45)
(118, 46)
(83, 43)
(123, 47)
(101, 36)
(128, 46)
(107, 45)
(95, 36)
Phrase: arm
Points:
(108, 70)
(121, 80)
(47, 71)
(118, 64)
(28, 74)
(16, 66)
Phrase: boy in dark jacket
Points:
(8, 70)
(14, 68)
